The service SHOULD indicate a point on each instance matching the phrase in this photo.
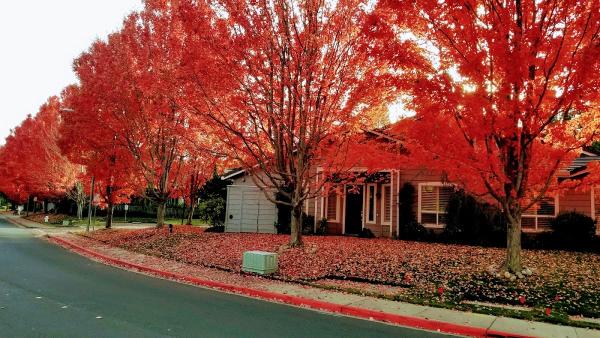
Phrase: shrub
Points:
(322, 229)
(213, 195)
(414, 231)
(473, 222)
(212, 210)
(406, 205)
(308, 224)
(366, 233)
(573, 230)
(284, 214)
(409, 227)
(216, 228)
(282, 229)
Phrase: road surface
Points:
(46, 291)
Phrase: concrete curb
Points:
(17, 221)
(408, 321)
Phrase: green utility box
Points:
(260, 262)
(66, 223)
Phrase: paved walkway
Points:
(64, 229)
(489, 322)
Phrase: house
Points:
(374, 204)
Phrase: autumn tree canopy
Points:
(505, 94)
(97, 149)
(31, 161)
(509, 97)
(132, 85)
(281, 80)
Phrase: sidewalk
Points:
(19, 220)
(443, 320)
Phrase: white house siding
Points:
(249, 210)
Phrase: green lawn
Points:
(56, 220)
(174, 221)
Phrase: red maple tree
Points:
(86, 139)
(509, 97)
(31, 161)
(132, 83)
(281, 82)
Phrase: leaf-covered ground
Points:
(565, 281)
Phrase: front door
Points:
(354, 207)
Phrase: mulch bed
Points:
(568, 282)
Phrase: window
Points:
(540, 215)
(386, 204)
(371, 191)
(332, 206)
(433, 199)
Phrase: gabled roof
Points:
(233, 173)
(580, 163)
(380, 133)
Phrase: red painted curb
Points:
(415, 322)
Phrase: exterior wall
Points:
(248, 210)
(395, 182)
(335, 227)
(580, 201)
(318, 206)
(596, 207)
(378, 227)
(576, 201)
(243, 180)
(415, 176)
(585, 202)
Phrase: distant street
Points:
(46, 291)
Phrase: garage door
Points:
(248, 210)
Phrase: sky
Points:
(39, 39)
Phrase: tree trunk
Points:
(190, 215)
(296, 227)
(160, 214)
(109, 215)
(80, 210)
(513, 244)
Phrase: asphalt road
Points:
(46, 291)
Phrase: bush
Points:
(212, 210)
(284, 214)
(366, 233)
(308, 224)
(216, 228)
(213, 195)
(406, 205)
(322, 229)
(414, 231)
(472, 222)
(409, 227)
(573, 230)
(282, 229)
